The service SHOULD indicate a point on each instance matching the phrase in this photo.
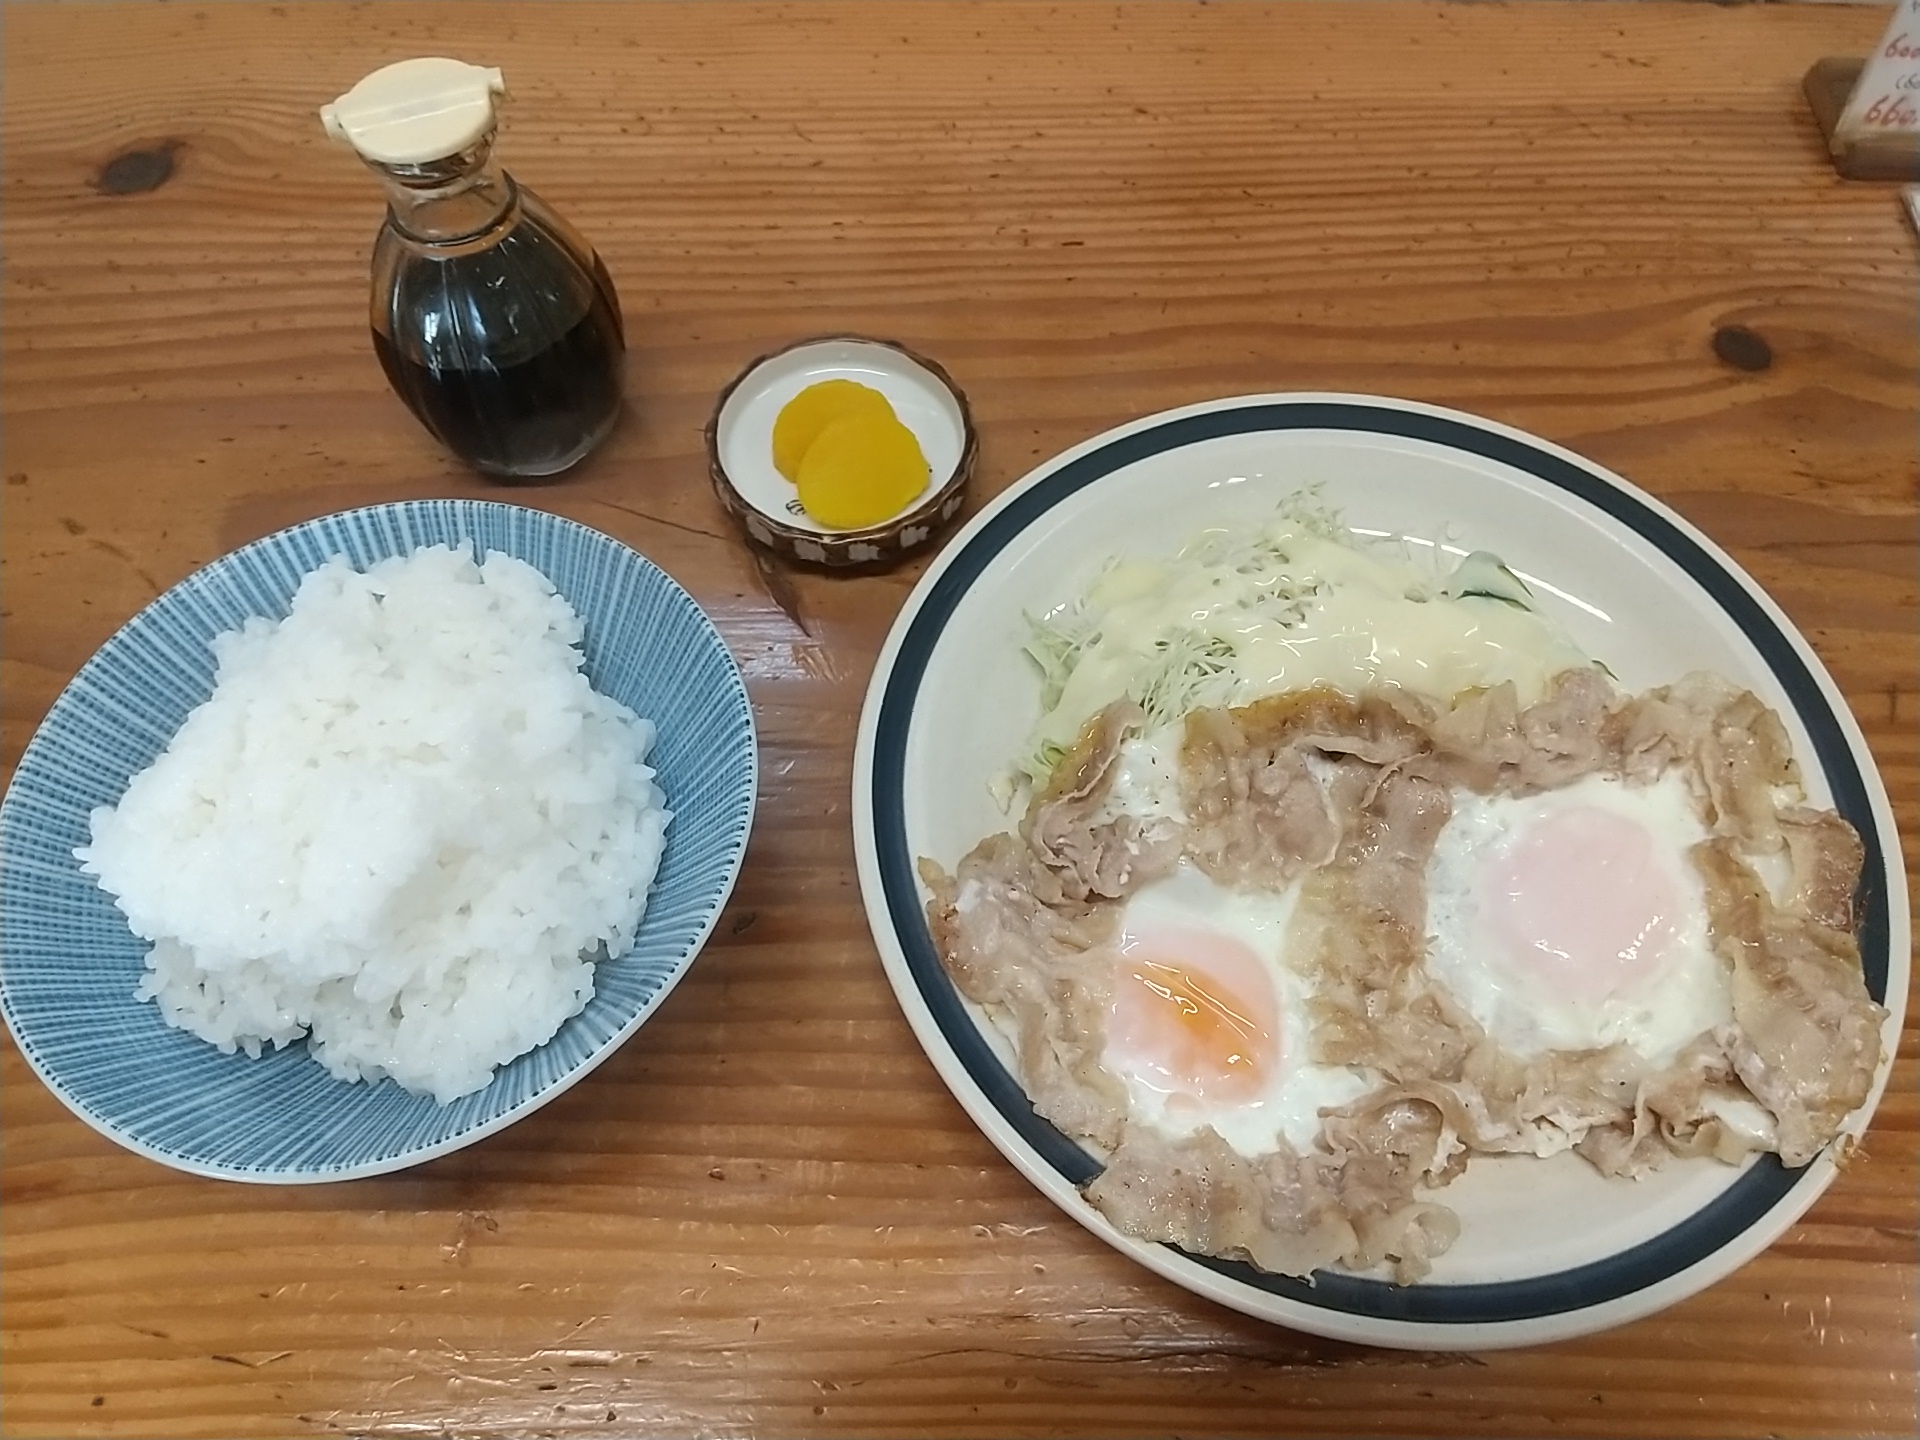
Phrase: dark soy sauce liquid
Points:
(511, 356)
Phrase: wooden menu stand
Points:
(1869, 109)
(1858, 156)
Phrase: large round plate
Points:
(1549, 1248)
(69, 964)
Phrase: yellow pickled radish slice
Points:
(863, 468)
(802, 418)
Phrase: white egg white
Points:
(1520, 1009)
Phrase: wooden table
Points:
(1611, 224)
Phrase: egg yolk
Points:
(1583, 904)
(1194, 1014)
(802, 419)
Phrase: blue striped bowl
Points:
(69, 964)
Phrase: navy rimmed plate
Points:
(1549, 1248)
(69, 964)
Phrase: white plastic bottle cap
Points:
(416, 111)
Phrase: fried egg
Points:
(1574, 919)
(1208, 1024)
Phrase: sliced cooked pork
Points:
(1347, 797)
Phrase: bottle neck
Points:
(446, 201)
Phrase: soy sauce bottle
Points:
(494, 320)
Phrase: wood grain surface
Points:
(1611, 224)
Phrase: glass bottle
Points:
(494, 320)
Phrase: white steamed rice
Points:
(404, 824)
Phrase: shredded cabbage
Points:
(1298, 599)
(1184, 667)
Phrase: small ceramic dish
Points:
(763, 501)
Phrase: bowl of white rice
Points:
(369, 839)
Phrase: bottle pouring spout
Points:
(446, 201)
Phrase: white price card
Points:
(1886, 101)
